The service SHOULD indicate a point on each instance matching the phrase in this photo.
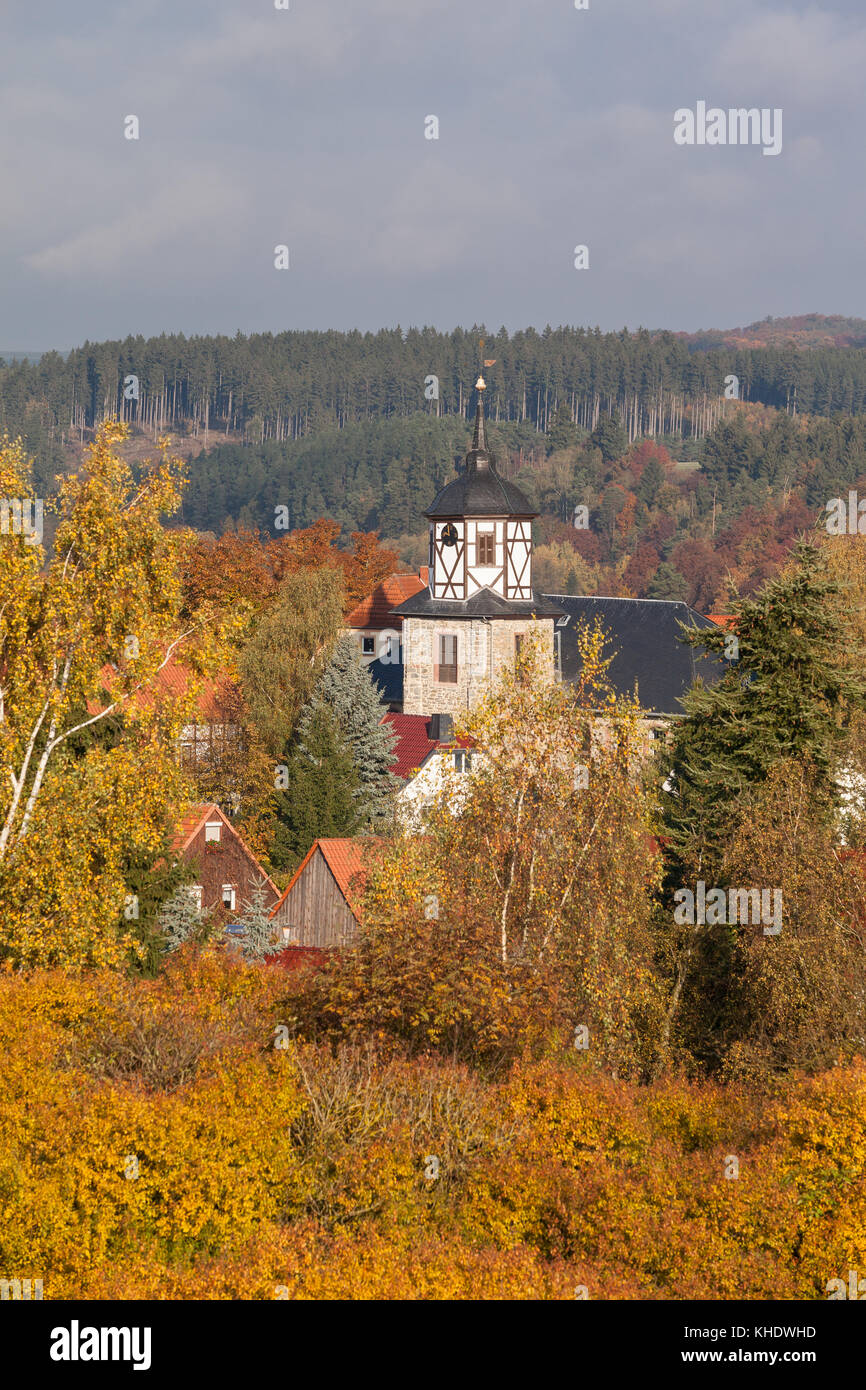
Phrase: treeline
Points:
(287, 385)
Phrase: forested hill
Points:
(290, 384)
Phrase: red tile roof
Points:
(414, 745)
(722, 619)
(173, 680)
(375, 610)
(345, 858)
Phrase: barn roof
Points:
(344, 857)
(375, 610)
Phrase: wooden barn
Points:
(320, 906)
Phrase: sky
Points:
(306, 127)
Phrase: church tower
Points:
(479, 605)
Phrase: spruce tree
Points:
(785, 696)
(257, 942)
(347, 691)
(668, 583)
(321, 797)
(610, 437)
(180, 919)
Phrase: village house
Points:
(213, 724)
(227, 872)
(427, 757)
(378, 631)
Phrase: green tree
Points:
(181, 920)
(347, 691)
(651, 480)
(668, 583)
(258, 940)
(287, 652)
(562, 433)
(785, 696)
(321, 798)
(610, 437)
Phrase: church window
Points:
(446, 671)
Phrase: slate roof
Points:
(388, 676)
(414, 744)
(479, 491)
(484, 604)
(645, 636)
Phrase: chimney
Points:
(424, 574)
(441, 728)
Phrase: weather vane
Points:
(481, 384)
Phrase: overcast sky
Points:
(306, 127)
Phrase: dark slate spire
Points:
(478, 456)
(479, 490)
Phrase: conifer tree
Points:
(347, 691)
(321, 797)
(181, 920)
(785, 696)
(258, 940)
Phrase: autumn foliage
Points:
(157, 1144)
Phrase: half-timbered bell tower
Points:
(479, 605)
(481, 528)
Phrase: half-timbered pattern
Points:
(461, 631)
(449, 559)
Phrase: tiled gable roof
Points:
(173, 680)
(344, 857)
(190, 824)
(375, 610)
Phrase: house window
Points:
(228, 896)
(368, 646)
(486, 548)
(195, 892)
(213, 832)
(446, 671)
(462, 760)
